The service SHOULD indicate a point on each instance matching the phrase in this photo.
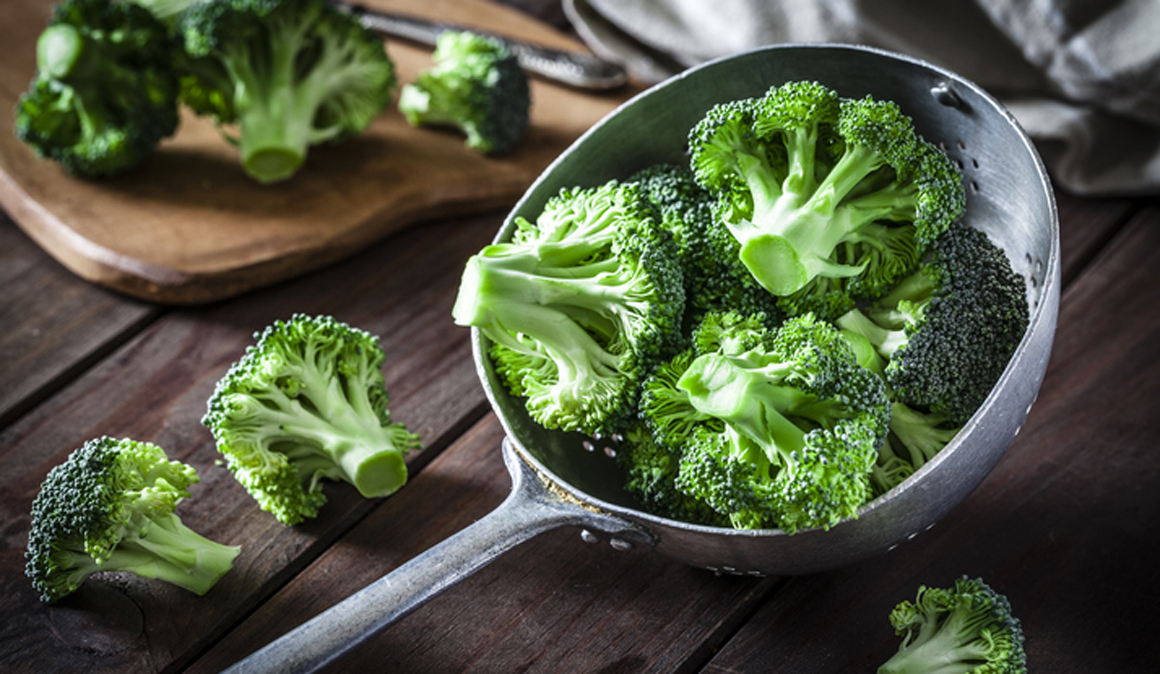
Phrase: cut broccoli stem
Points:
(59, 50)
(168, 550)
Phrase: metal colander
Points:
(567, 480)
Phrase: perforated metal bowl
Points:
(562, 479)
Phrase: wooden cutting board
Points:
(189, 227)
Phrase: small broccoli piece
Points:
(715, 278)
(167, 10)
(965, 629)
(105, 92)
(110, 507)
(580, 305)
(815, 186)
(650, 470)
(288, 73)
(949, 329)
(476, 86)
(307, 402)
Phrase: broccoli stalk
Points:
(289, 74)
(476, 86)
(110, 507)
(967, 628)
(579, 305)
(307, 403)
(105, 93)
(813, 185)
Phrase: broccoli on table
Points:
(964, 629)
(831, 199)
(288, 73)
(307, 403)
(949, 329)
(105, 92)
(110, 507)
(579, 305)
(770, 429)
(476, 86)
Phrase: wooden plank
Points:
(551, 604)
(1065, 524)
(1086, 226)
(155, 388)
(190, 227)
(52, 324)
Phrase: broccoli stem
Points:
(59, 50)
(952, 647)
(167, 549)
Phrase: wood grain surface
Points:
(189, 227)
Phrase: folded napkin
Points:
(1081, 76)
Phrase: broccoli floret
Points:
(110, 507)
(288, 73)
(965, 629)
(476, 86)
(308, 402)
(650, 470)
(579, 305)
(818, 187)
(949, 329)
(770, 428)
(105, 92)
(715, 278)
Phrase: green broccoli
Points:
(965, 629)
(579, 306)
(821, 189)
(715, 278)
(476, 86)
(105, 92)
(770, 428)
(650, 470)
(110, 507)
(167, 10)
(948, 330)
(307, 402)
(288, 73)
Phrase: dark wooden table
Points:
(1066, 525)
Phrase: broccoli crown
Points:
(110, 507)
(105, 92)
(967, 628)
(289, 73)
(308, 402)
(715, 278)
(819, 189)
(579, 306)
(476, 86)
(769, 428)
(950, 328)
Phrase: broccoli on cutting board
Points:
(110, 507)
(476, 86)
(306, 403)
(105, 93)
(287, 74)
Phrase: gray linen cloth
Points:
(1081, 76)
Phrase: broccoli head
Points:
(579, 306)
(948, 330)
(306, 403)
(818, 189)
(715, 278)
(650, 470)
(110, 507)
(964, 629)
(769, 428)
(105, 93)
(476, 86)
(288, 73)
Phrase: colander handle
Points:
(530, 509)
